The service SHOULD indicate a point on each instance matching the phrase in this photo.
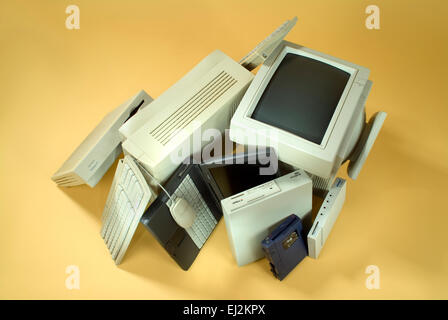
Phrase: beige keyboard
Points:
(125, 205)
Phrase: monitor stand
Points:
(365, 143)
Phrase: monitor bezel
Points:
(317, 159)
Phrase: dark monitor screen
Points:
(236, 178)
(301, 97)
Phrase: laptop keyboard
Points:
(205, 221)
(125, 205)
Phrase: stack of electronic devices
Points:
(294, 124)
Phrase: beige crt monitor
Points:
(309, 106)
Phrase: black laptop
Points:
(203, 186)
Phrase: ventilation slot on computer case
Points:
(321, 185)
(189, 111)
(68, 180)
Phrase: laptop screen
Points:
(236, 178)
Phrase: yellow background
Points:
(57, 84)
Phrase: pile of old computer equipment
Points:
(285, 133)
